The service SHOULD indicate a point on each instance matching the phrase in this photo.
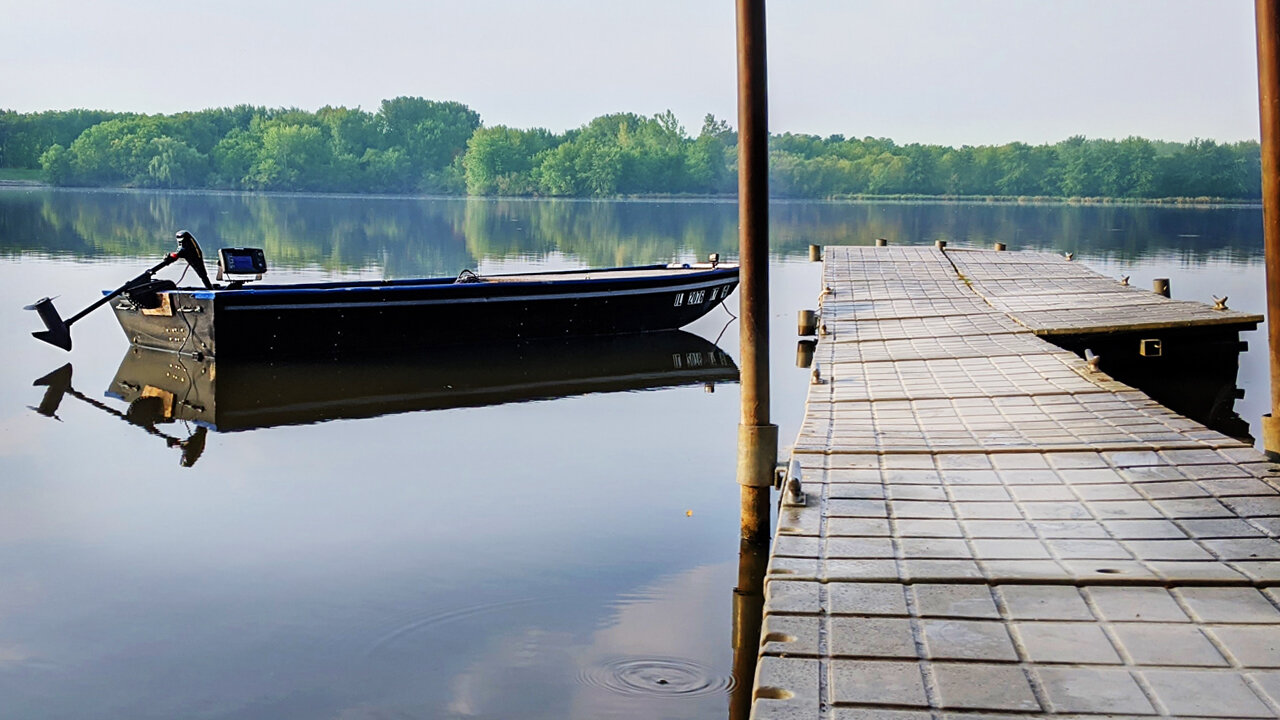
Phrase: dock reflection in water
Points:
(228, 396)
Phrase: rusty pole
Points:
(748, 610)
(1269, 112)
(757, 437)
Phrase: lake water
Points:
(559, 541)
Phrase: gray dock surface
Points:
(991, 530)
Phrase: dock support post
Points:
(1268, 27)
(882, 242)
(757, 437)
(748, 601)
(748, 605)
(1160, 286)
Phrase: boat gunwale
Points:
(675, 276)
(627, 275)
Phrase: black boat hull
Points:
(346, 318)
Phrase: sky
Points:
(955, 72)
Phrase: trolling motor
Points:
(58, 331)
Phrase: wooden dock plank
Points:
(992, 530)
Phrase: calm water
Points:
(467, 555)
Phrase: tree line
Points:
(415, 145)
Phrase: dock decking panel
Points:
(993, 531)
(1051, 295)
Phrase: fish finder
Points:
(240, 265)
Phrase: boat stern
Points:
(179, 321)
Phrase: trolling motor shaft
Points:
(58, 331)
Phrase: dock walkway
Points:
(991, 529)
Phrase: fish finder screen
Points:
(243, 261)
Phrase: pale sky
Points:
(953, 72)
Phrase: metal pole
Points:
(748, 598)
(1269, 112)
(757, 437)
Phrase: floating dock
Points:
(990, 526)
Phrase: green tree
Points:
(1080, 167)
(430, 133)
(234, 157)
(706, 162)
(174, 164)
(500, 160)
(386, 170)
(293, 157)
(56, 163)
(352, 132)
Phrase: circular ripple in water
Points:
(661, 677)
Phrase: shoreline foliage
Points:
(414, 145)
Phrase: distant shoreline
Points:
(1197, 202)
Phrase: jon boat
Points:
(240, 320)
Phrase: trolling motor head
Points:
(189, 250)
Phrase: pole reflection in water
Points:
(748, 597)
(161, 387)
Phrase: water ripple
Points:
(444, 617)
(650, 677)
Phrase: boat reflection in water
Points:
(160, 387)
